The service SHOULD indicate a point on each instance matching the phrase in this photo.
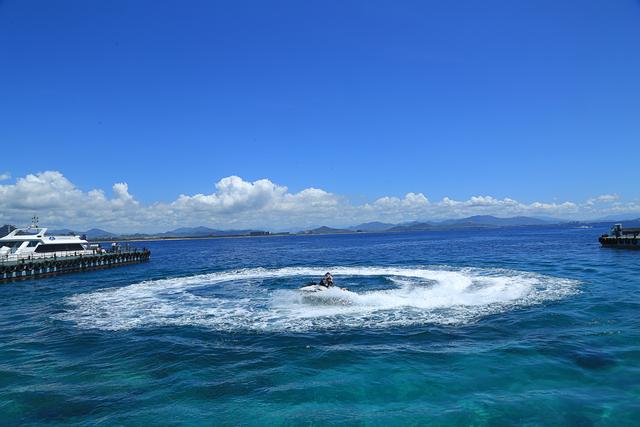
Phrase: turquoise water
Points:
(523, 326)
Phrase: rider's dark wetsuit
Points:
(326, 283)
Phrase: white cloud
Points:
(410, 201)
(47, 190)
(236, 203)
(121, 189)
(604, 198)
(5, 176)
(244, 202)
(488, 205)
(608, 198)
(234, 194)
(59, 202)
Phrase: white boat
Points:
(33, 242)
(313, 288)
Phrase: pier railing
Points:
(42, 266)
(12, 259)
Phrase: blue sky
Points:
(525, 100)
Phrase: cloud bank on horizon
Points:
(235, 203)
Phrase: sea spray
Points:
(268, 299)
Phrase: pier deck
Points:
(622, 242)
(30, 268)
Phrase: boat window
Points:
(28, 232)
(33, 243)
(60, 247)
(13, 244)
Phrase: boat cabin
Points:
(34, 242)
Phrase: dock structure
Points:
(623, 238)
(36, 267)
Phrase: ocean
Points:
(518, 326)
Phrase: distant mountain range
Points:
(500, 222)
(99, 234)
(327, 230)
(203, 232)
(94, 233)
(635, 217)
(477, 221)
(372, 227)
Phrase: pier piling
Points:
(36, 268)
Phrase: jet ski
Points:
(314, 287)
(316, 294)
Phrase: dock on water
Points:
(620, 237)
(36, 267)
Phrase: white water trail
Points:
(246, 300)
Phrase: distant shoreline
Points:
(486, 222)
(233, 236)
(343, 232)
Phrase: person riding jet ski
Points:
(327, 280)
(325, 283)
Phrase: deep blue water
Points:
(510, 327)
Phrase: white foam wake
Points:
(267, 299)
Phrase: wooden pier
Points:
(622, 242)
(620, 237)
(42, 267)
